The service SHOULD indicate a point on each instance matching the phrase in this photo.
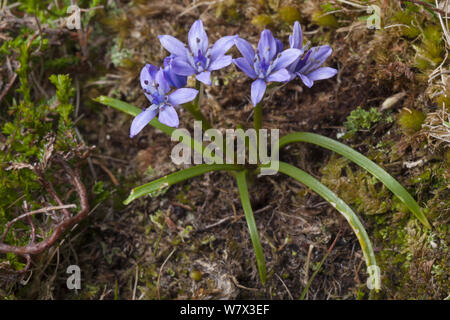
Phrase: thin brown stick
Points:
(61, 227)
(28, 214)
(8, 86)
(160, 272)
(108, 172)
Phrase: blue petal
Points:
(322, 73)
(296, 39)
(258, 89)
(142, 119)
(173, 45)
(182, 67)
(145, 78)
(285, 58)
(168, 116)
(279, 45)
(308, 82)
(197, 38)
(222, 46)
(220, 62)
(163, 84)
(182, 95)
(267, 45)
(204, 77)
(246, 50)
(317, 58)
(279, 76)
(242, 64)
(174, 79)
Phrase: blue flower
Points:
(156, 89)
(308, 67)
(267, 64)
(174, 79)
(198, 58)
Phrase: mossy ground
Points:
(192, 242)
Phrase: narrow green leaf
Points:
(248, 212)
(161, 184)
(345, 210)
(362, 161)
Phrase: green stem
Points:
(257, 124)
(257, 117)
(194, 107)
(241, 178)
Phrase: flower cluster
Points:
(268, 63)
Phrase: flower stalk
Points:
(194, 107)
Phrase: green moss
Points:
(409, 21)
(447, 157)
(228, 9)
(289, 14)
(356, 187)
(360, 119)
(325, 20)
(410, 120)
(411, 255)
(430, 52)
(444, 100)
(262, 20)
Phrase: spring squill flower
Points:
(308, 67)
(198, 58)
(174, 79)
(156, 89)
(267, 64)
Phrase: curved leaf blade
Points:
(249, 217)
(363, 162)
(345, 210)
(165, 182)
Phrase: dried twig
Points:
(8, 86)
(65, 224)
(160, 272)
(29, 214)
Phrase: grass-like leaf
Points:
(248, 212)
(161, 184)
(362, 161)
(345, 210)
